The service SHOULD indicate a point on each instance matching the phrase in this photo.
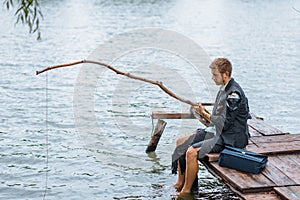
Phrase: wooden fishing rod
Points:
(157, 83)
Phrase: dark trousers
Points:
(205, 138)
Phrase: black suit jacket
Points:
(230, 115)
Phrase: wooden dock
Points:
(281, 177)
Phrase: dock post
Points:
(159, 129)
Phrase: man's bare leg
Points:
(180, 181)
(191, 171)
(181, 176)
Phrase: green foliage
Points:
(28, 12)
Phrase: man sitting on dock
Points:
(228, 127)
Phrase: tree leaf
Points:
(28, 12)
(7, 5)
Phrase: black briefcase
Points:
(242, 160)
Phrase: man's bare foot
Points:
(184, 196)
(178, 186)
(184, 193)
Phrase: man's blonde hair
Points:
(223, 65)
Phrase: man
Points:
(228, 127)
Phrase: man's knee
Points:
(191, 154)
(179, 141)
(186, 138)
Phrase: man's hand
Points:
(203, 111)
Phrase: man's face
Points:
(217, 77)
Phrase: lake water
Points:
(261, 38)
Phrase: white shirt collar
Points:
(222, 87)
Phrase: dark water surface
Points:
(262, 38)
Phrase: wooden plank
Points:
(260, 195)
(288, 164)
(253, 132)
(275, 148)
(244, 182)
(270, 195)
(263, 127)
(296, 158)
(276, 138)
(212, 157)
(159, 129)
(273, 173)
(290, 192)
(169, 115)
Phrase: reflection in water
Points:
(157, 167)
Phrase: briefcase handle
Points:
(243, 151)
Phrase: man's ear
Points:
(224, 75)
(227, 74)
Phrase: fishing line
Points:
(152, 121)
(46, 138)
